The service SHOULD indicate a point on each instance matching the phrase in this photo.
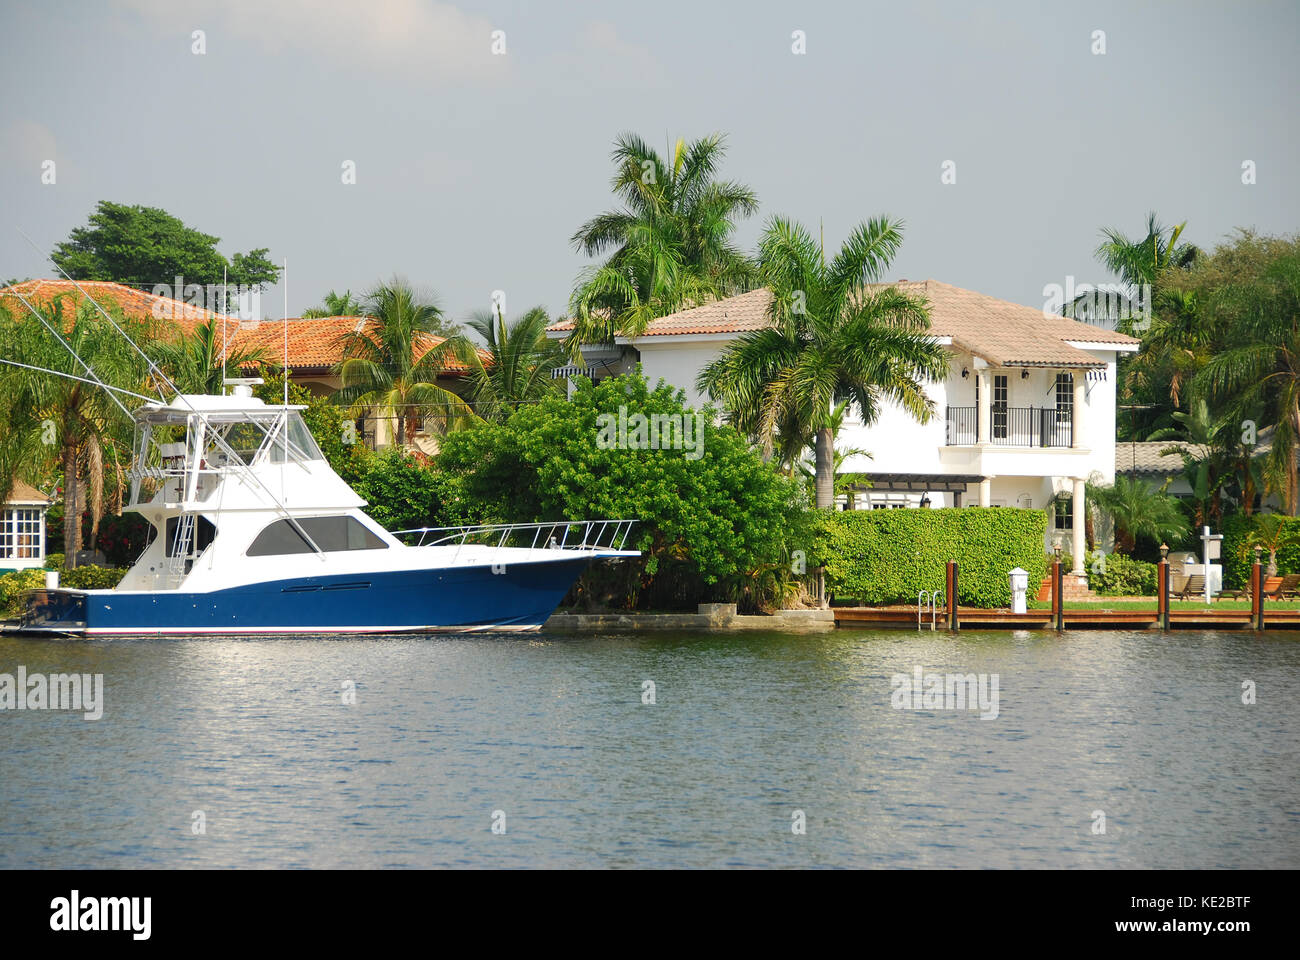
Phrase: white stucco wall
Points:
(679, 362)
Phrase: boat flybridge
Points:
(253, 533)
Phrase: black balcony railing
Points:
(962, 424)
(1012, 426)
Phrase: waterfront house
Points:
(1024, 417)
(22, 528)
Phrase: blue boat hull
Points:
(519, 597)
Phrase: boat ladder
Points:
(931, 599)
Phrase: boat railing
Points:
(554, 535)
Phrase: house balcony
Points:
(1010, 427)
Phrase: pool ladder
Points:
(931, 599)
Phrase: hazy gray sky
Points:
(473, 170)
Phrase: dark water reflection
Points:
(747, 728)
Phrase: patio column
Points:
(986, 491)
(983, 415)
(1078, 537)
(1076, 409)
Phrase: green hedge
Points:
(1115, 575)
(887, 556)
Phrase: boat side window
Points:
(201, 534)
(331, 534)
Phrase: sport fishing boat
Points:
(253, 533)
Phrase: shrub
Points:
(402, 492)
(886, 556)
(716, 523)
(91, 577)
(1115, 575)
(54, 561)
(12, 587)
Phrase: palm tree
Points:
(669, 245)
(1139, 510)
(518, 362)
(1173, 341)
(196, 361)
(1270, 533)
(50, 417)
(1261, 364)
(335, 305)
(1205, 462)
(392, 364)
(832, 339)
(1141, 263)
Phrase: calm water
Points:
(747, 729)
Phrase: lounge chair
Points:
(1290, 587)
(1195, 585)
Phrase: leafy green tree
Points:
(401, 490)
(75, 424)
(713, 518)
(833, 339)
(669, 245)
(193, 360)
(392, 366)
(1138, 509)
(142, 246)
(518, 365)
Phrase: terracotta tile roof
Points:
(24, 492)
(315, 344)
(318, 343)
(1003, 333)
(134, 303)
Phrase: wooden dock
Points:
(947, 615)
(979, 618)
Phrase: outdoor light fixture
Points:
(1024, 374)
(1164, 551)
(925, 500)
(964, 373)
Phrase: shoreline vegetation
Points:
(744, 512)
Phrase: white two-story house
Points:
(1025, 416)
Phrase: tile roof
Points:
(318, 343)
(134, 303)
(315, 344)
(1005, 334)
(1145, 456)
(24, 492)
(738, 314)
